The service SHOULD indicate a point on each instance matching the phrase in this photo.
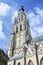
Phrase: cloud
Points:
(39, 30)
(39, 11)
(2, 35)
(7, 15)
(33, 33)
(36, 21)
(4, 9)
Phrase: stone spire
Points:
(22, 8)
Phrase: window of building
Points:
(16, 29)
(20, 27)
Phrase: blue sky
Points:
(9, 10)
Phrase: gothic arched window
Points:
(16, 29)
(30, 63)
(18, 64)
(20, 27)
(41, 62)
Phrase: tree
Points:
(3, 58)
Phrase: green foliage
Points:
(3, 58)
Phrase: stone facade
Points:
(23, 50)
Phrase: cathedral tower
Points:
(20, 34)
(22, 50)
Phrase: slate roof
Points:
(18, 56)
(38, 39)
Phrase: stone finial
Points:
(22, 8)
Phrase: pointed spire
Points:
(22, 8)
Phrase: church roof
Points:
(38, 39)
(18, 56)
(35, 40)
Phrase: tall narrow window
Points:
(20, 27)
(16, 29)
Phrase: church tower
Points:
(20, 34)
(23, 50)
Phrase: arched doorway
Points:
(41, 62)
(30, 63)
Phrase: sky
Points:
(9, 10)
